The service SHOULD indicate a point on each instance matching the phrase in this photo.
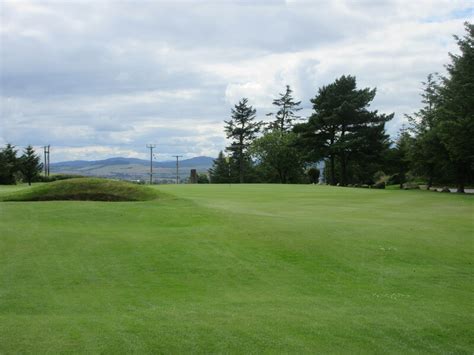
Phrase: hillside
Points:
(132, 168)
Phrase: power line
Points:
(151, 146)
(177, 167)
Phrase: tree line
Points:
(14, 168)
(349, 138)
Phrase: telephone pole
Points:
(177, 167)
(46, 160)
(151, 146)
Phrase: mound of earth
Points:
(85, 189)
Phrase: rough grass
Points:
(84, 189)
(240, 269)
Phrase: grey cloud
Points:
(111, 74)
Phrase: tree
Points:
(403, 146)
(221, 170)
(444, 127)
(8, 165)
(286, 109)
(278, 156)
(343, 130)
(456, 108)
(202, 179)
(30, 164)
(428, 155)
(242, 130)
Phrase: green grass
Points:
(86, 189)
(251, 268)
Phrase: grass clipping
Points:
(85, 189)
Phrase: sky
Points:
(100, 79)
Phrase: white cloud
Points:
(98, 79)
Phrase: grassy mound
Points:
(85, 189)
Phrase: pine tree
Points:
(456, 108)
(221, 170)
(428, 155)
(8, 165)
(285, 115)
(403, 147)
(242, 130)
(30, 164)
(343, 130)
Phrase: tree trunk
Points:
(461, 178)
(430, 177)
(241, 161)
(344, 170)
(333, 170)
(241, 169)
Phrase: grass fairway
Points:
(251, 268)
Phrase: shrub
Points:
(203, 179)
(313, 175)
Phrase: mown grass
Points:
(249, 268)
(86, 189)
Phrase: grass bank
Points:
(82, 189)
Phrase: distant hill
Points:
(133, 168)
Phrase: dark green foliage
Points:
(428, 156)
(343, 130)
(313, 175)
(8, 165)
(456, 109)
(403, 147)
(379, 185)
(278, 157)
(30, 165)
(223, 170)
(242, 130)
(203, 179)
(286, 111)
(276, 152)
(444, 127)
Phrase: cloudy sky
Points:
(98, 79)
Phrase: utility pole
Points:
(177, 167)
(46, 160)
(151, 146)
(45, 164)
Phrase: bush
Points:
(394, 180)
(313, 175)
(203, 179)
(379, 185)
(381, 179)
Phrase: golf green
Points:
(239, 269)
